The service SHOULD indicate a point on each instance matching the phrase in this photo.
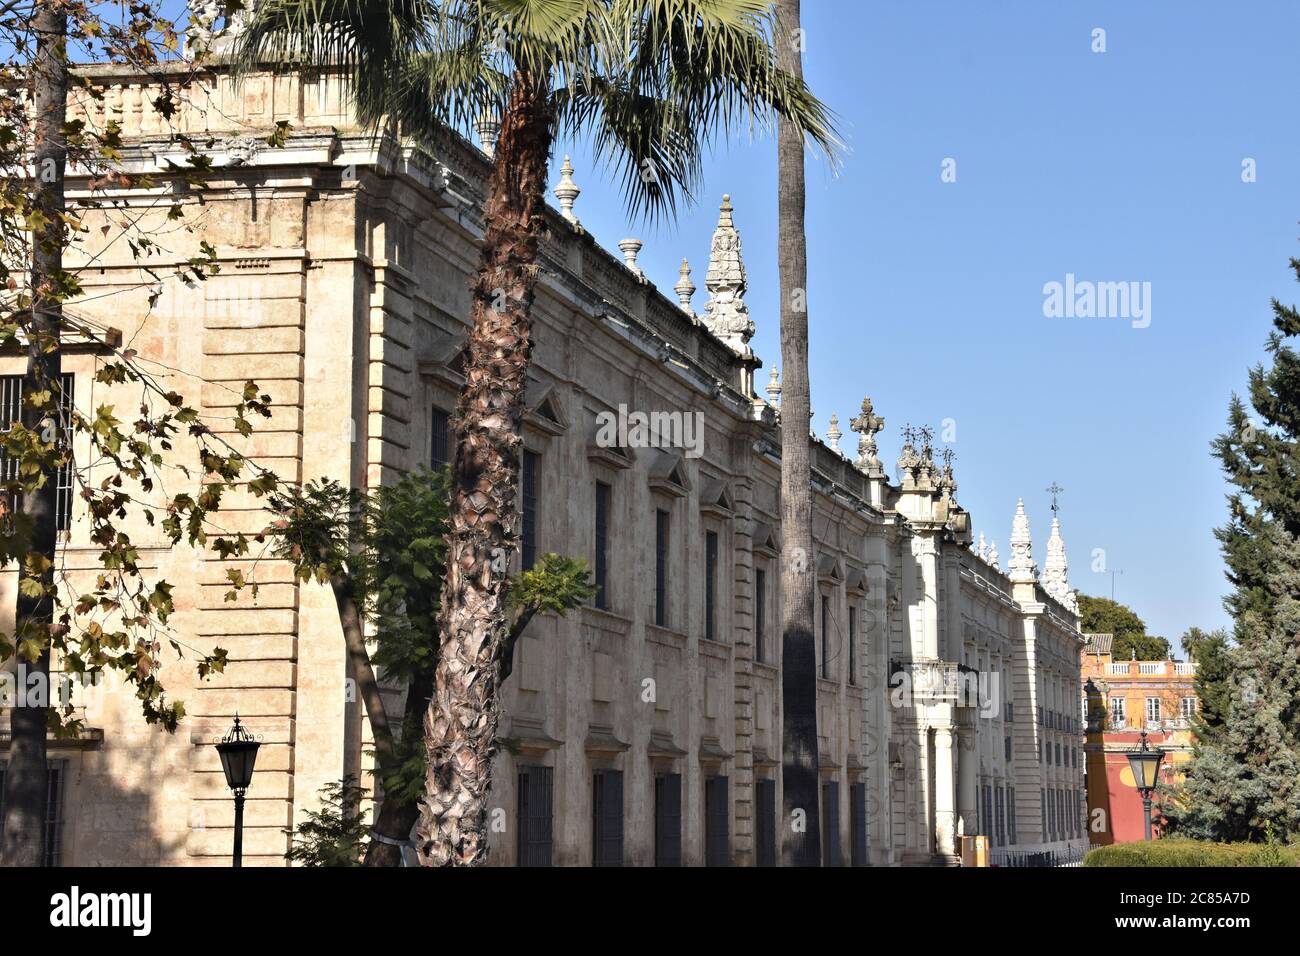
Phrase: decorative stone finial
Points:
(867, 424)
(488, 127)
(982, 549)
(833, 434)
(1021, 566)
(947, 483)
(567, 192)
(1056, 568)
(726, 314)
(631, 248)
(685, 289)
(774, 388)
(992, 556)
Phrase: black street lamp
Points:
(1145, 764)
(238, 750)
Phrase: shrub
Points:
(1179, 853)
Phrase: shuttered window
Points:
(717, 822)
(439, 438)
(760, 613)
(11, 411)
(661, 568)
(765, 821)
(53, 810)
(603, 492)
(831, 854)
(711, 585)
(607, 818)
(668, 819)
(528, 496)
(858, 822)
(535, 814)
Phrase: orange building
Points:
(1123, 698)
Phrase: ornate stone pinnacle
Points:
(631, 248)
(774, 388)
(1021, 566)
(982, 549)
(567, 192)
(992, 557)
(833, 434)
(488, 127)
(867, 424)
(685, 289)
(1056, 568)
(725, 314)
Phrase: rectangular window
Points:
(53, 810)
(717, 823)
(603, 492)
(1116, 712)
(986, 810)
(760, 613)
(661, 568)
(439, 438)
(826, 636)
(535, 813)
(11, 411)
(858, 823)
(1006, 747)
(853, 645)
(711, 585)
(1188, 708)
(1153, 710)
(528, 481)
(668, 819)
(999, 816)
(607, 818)
(831, 855)
(1011, 816)
(765, 821)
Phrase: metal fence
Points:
(1038, 858)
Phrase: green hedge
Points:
(1173, 852)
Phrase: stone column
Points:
(967, 773)
(945, 816)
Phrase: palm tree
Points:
(799, 779)
(651, 82)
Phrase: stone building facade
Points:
(643, 729)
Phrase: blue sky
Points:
(1117, 166)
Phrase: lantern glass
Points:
(237, 760)
(1145, 765)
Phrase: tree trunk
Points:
(23, 840)
(354, 640)
(461, 722)
(397, 817)
(800, 845)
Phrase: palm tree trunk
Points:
(461, 722)
(800, 846)
(23, 840)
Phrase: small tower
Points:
(1056, 568)
(1021, 567)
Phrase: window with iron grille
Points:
(999, 816)
(661, 568)
(711, 585)
(717, 822)
(826, 636)
(11, 411)
(858, 823)
(853, 645)
(528, 488)
(765, 822)
(603, 494)
(1006, 747)
(53, 810)
(668, 819)
(831, 852)
(607, 818)
(1011, 816)
(439, 438)
(535, 815)
(986, 809)
(760, 613)
(1042, 808)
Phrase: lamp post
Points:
(238, 750)
(1145, 764)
